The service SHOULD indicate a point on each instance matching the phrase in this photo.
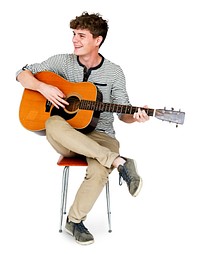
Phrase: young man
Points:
(100, 146)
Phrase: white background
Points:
(157, 45)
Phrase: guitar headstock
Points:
(171, 116)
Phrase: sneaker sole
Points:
(139, 188)
(67, 231)
(85, 243)
(140, 183)
(82, 243)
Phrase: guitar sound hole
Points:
(74, 103)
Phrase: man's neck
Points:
(90, 61)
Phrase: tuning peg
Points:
(172, 108)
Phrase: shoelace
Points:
(124, 174)
(80, 227)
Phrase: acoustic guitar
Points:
(84, 109)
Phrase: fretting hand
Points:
(141, 116)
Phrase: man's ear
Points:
(99, 40)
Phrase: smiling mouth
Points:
(77, 47)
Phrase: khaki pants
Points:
(100, 151)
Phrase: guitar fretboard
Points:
(110, 107)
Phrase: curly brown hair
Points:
(92, 22)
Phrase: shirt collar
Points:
(92, 68)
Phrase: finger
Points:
(63, 101)
(136, 115)
(57, 103)
(143, 113)
(60, 101)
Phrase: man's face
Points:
(84, 43)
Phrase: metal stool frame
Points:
(76, 161)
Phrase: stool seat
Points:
(72, 161)
(67, 162)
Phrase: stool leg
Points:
(64, 194)
(66, 190)
(108, 206)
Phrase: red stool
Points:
(76, 161)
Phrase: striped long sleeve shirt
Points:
(107, 76)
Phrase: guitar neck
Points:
(115, 108)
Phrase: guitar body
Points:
(35, 109)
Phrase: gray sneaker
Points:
(79, 231)
(130, 176)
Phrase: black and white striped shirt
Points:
(107, 76)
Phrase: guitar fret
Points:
(119, 108)
(106, 107)
(124, 109)
(92, 106)
(127, 110)
(99, 106)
